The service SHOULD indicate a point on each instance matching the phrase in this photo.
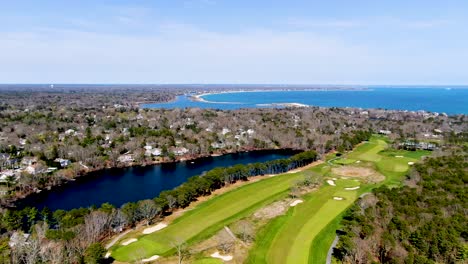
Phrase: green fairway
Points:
(290, 241)
(208, 217)
(305, 233)
(344, 161)
(368, 151)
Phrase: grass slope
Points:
(207, 218)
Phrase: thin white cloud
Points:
(182, 53)
(312, 23)
(372, 22)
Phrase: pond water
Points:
(121, 185)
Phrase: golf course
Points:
(304, 233)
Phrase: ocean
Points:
(441, 99)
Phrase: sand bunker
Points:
(338, 198)
(223, 257)
(155, 228)
(367, 174)
(332, 183)
(398, 156)
(410, 163)
(334, 179)
(296, 202)
(358, 161)
(155, 257)
(107, 255)
(352, 188)
(128, 242)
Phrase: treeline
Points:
(423, 222)
(73, 232)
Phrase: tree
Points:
(181, 249)
(95, 254)
(148, 210)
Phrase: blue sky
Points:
(237, 41)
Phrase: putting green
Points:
(208, 217)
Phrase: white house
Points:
(180, 151)
(126, 158)
(63, 162)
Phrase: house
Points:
(63, 162)
(180, 151)
(217, 145)
(385, 132)
(51, 169)
(126, 158)
(30, 169)
(225, 131)
(29, 161)
(5, 174)
(150, 151)
(70, 132)
(4, 156)
(22, 141)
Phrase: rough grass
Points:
(208, 217)
(208, 261)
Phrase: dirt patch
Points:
(272, 210)
(366, 174)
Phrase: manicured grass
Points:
(208, 217)
(323, 240)
(265, 237)
(305, 234)
(292, 243)
(368, 151)
(344, 161)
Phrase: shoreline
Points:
(199, 97)
(87, 174)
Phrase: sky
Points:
(237, 41)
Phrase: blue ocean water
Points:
(450, 100)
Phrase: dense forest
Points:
(423, 222)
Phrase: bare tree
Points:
(95, 224)
(181, 248)
(148, 210)
(225, 241)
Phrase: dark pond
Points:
(121, 185)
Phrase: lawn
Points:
(207, 218)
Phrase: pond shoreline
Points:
(92, 173)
